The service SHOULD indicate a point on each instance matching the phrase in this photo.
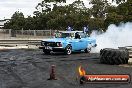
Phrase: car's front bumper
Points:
(54, 49)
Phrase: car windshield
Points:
(64, 35)
(83, 35)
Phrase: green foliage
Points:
(17, 21)
(100, 7)
(76, 15)
(119, 1)
(121, 13)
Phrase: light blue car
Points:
(68, 42)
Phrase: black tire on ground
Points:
(102, 52)
(126, 55)
(116, 62)
(113, 56)
(123, 56)
(107, 56)
(118, 58)
(111, 61)
(68, 50)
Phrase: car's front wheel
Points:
(46, 52)
(68, 50)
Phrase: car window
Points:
(64, 35)
(69, 35)
(57, 35)
(83, 35)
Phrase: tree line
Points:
(53, 14)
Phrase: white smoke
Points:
(114, 37)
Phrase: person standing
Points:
(69, 28)
(85, 29)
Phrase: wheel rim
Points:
(69, 50)
(88, 50)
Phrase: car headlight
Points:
(59, 44)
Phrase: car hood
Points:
(57, 40)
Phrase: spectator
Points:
(85, 29)
(69, 28)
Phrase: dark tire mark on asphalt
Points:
(46, 58)
(72, 84)
(9, 70)
(81, 59)
(49, 61)
(37, 66)
(64, 57)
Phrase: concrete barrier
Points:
(19, 44)
(129, 48)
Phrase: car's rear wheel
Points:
(68, 50)
(87, 50)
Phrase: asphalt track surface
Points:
(30, 68)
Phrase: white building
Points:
(2, 22)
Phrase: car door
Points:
(76, 45)
(83, 41)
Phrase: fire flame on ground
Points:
(82, 72)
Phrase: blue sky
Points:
(8, 7)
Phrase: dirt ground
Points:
(29, 68)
